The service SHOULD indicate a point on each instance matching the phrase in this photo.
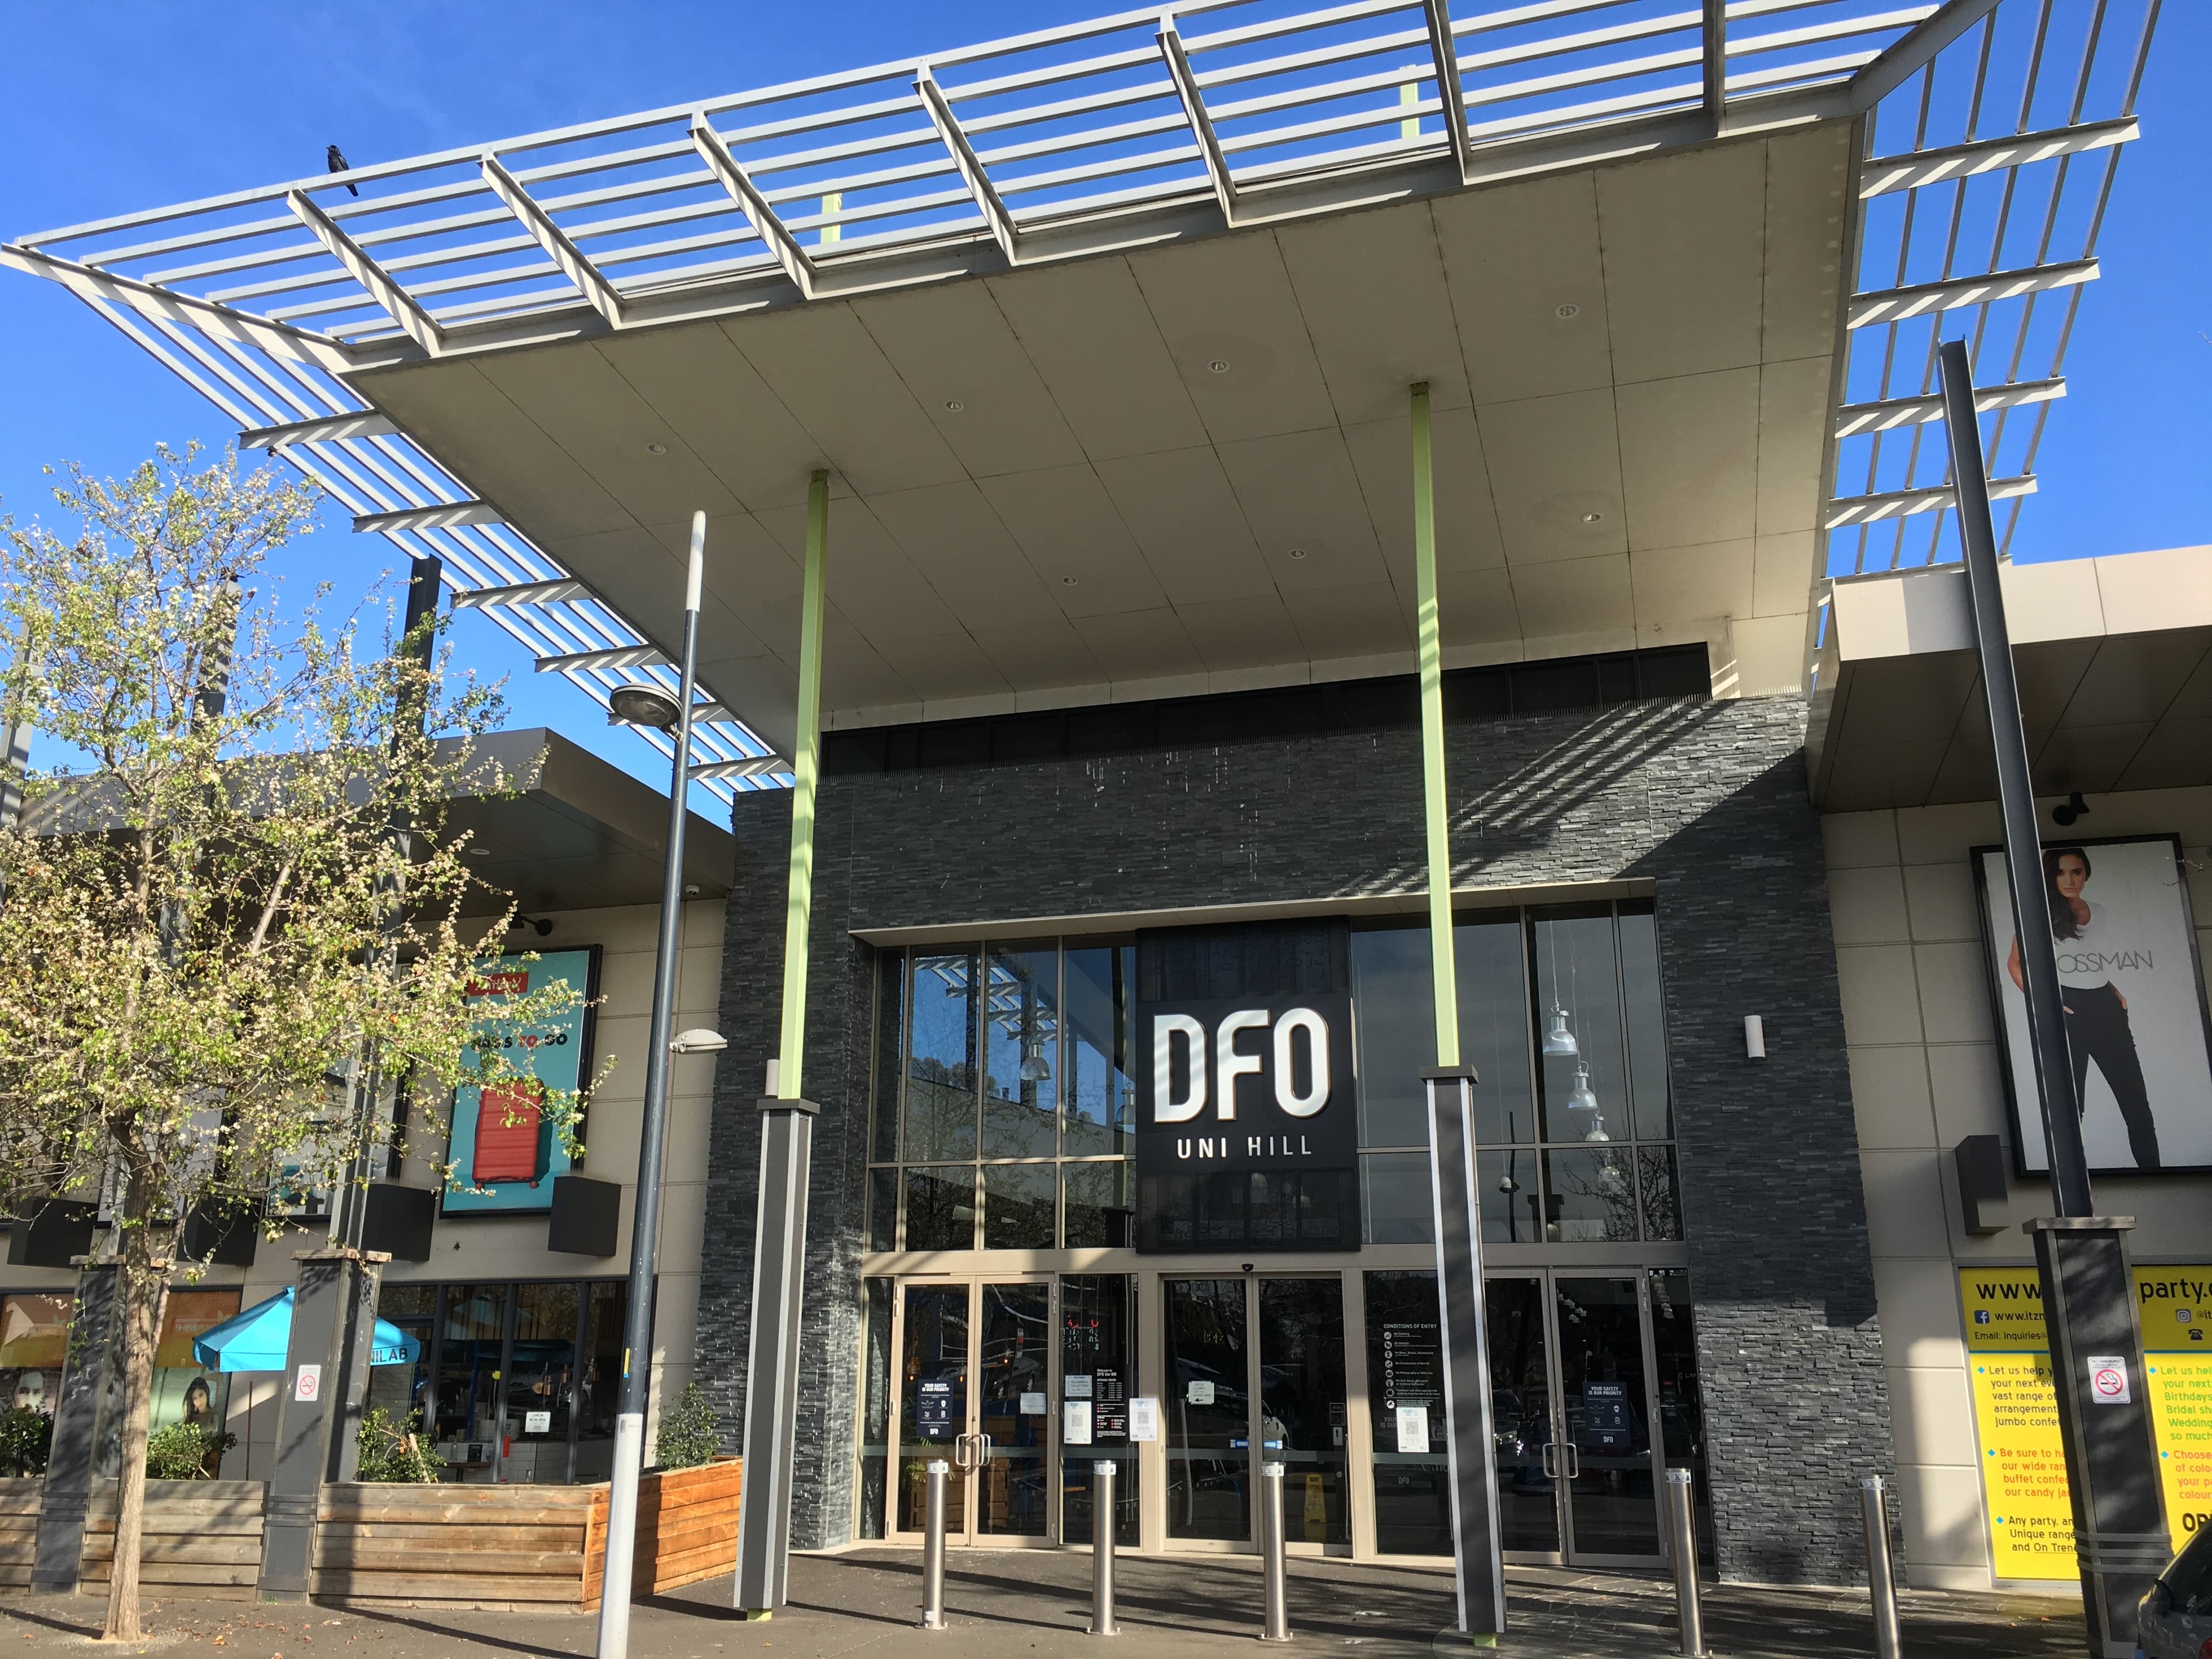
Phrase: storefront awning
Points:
(259, 1340)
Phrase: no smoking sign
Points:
(2108, 1380)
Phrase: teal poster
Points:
(502, 1144)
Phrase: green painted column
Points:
(1442, 971)
(805, 780)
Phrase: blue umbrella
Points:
(259, 1340)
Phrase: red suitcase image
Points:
(512, 1137)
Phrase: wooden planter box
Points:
(522, 1546)
(202, 1539)
(19, 1530)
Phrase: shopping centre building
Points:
(1117, 344)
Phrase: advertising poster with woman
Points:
(504, 1151)
(2132, 987)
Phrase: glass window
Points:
(403, 1390)
(891, 1044)
(1406, 1403)
(1396, 1205)
(1493, 1026)
(939, 1107)
(1017, 1206)
(1681, 1407)
(1021, 1040)
(1100, 1093)
(940, 1208)
(1097, 1374)
(1646, 1013)
(541, 1381)
(1099, 1208)
(1662, 1204)
(1396, 1030)
(599, 1385)
(875, 1417)
(1591, 1193)
(33, 1338)
(883, 1209)
(1579, 1020)
(466, 1417)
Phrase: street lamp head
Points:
(698, 1041)
(644, 705)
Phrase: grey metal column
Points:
(1881, 1574)
(772, 1354)
(87, 1368)
(1478, 1563)
(937, 1471)
(1102, 1549)
(1682, 1545)
(333, 1312)
(1273, 1542)
(2088, 1295)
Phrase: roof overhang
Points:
(2114, 662)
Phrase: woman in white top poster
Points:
(2097, 1025)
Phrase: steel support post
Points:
(318, 1417)
(772, 1338)
(1881, 1572)
(1276, 1627)
(2088, 1301)
(937, 1470)
(1478, 1563)
(645, 1215)
(1102, 1549)
(1682, 1546)
(90, 1376)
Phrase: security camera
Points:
(1247, 1266)
(2073, 807)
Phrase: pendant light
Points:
(1597, 1133)
(1580, 1099)
(1559, 1043)
(1035, 1067)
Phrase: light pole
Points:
(648, 705)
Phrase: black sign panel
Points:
(1247, 1131)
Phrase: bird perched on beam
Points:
(339, 164)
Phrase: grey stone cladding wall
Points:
(1706, 799)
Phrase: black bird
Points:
(339, 164)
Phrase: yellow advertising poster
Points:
(2017, 1414)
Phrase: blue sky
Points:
(120, 106)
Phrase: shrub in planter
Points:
(26, 1437)
(690, 1433)
(185, 1451)
(390, 1452)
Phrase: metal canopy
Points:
(1069, 155)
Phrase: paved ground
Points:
(1013, 1606)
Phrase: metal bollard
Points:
(932, 1548)
(1682, 1541)
(1881, 1576)
(1102, 1549)
(1278, 1628)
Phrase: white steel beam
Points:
(1847, 510)
(444, 515)
(1894, 304)
(797, 263)
(365, 423)
(758, 766)
(1913, 52)
(1444, 50)
(622, 656)
(1201, 125)
(419, 325)
(1933, 167)
(597, 290)
(1853, 419)
(522, 594)
(278, 339)
(970, 166)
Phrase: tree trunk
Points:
(145, 1291)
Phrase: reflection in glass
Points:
(940, 1208)
(1396, 1033)
(1097, 1374)
(875, 1407)
(1572, 949)
(883, 1209)
(467, 1411)
(1681, 1407)
(1302, 1403)
(1593, 1195)
(1017, 1205)
(1494, 1025)
(1405, 1405)
(1099, 1207)
(542, 1371)
(1101, 1094)
(1614, 1503)
(1662, 1202)
(1647, 1023)
(1507, 1179)
(401, 1390)
(1013, 1498)
(933, 1400)
(891, 1044)
(939, 1108)
(1021, 1043)
(1520, 1415)
(1396, 1204)
(598, 1389)
(1208, 1426)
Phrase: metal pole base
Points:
(1682, 1544)
(1271, 1544)
(1881, 1580)
(932, 1548)
(1103, 1518)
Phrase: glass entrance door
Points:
(1254, 1363)
(973, 1385)
(1571, 1392)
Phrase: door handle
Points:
(1551, 1459)
(1574, 1460)
(965, 1457)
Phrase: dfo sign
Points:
(1227, 1090)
